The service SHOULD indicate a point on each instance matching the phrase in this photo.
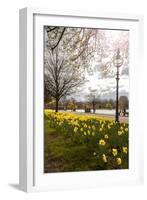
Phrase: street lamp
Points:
(117, 61)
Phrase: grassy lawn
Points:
(63, 154)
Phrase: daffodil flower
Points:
(114, 152)
(102, 142)
(104, 158)
(125, 150)
(119, 161)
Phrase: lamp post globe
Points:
(117, 61)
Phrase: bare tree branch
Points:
(59, 39)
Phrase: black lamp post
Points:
(117, 61)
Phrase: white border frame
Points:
(27, 119)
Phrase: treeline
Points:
(72, 104)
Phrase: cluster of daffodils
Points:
(107, 139)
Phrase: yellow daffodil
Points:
(114, 152)
(100, 129)
(85, 133)
(75, 129)
(125, 150)
(120, 133)
(106, 136)
(109, 126)
(88, 132)
(104, 158)
(85, 125)
(126, 129)
(102, 125)
(119, 161)
(102, 142)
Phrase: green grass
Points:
(63, 154)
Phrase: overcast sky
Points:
(106, 86)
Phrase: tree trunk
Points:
(93, 107)
(57, 101)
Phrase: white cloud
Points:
(105, 87)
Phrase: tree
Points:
(93, 98)
(108, 106)
(107, 45)
(67, 53)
